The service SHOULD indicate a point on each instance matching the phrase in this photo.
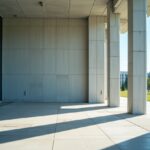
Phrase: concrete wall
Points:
(0, 58)
(45, 60)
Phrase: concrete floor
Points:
(47, 126)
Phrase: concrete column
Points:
(105, 67)
(96, 59)
(137, 56)
(113, 53)
(0, 58)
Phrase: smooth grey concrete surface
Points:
(58, 9)
(45, 60)
(96, 59)
(64, 9)
(51, 126)
(1, 24)
(113, 56)
(105, 67)
(137, 55)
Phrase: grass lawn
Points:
(125, 94)
(148, 96)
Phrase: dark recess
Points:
(0, 58)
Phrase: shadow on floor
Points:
(138, 143)
(24, 133)
(25, 110)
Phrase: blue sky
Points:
(124, 49)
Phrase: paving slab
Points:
(61, 126)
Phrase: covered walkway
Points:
(79, 126)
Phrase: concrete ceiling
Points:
(52, 8)
(148, 7)
(63, 9)
(60, 8)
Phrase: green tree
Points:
(122, 87)
(126, 83)
(148, 84)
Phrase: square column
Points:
(105, 67)
(96, 59)
(113, 59)
(137, 56)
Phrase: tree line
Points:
(124, 85)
